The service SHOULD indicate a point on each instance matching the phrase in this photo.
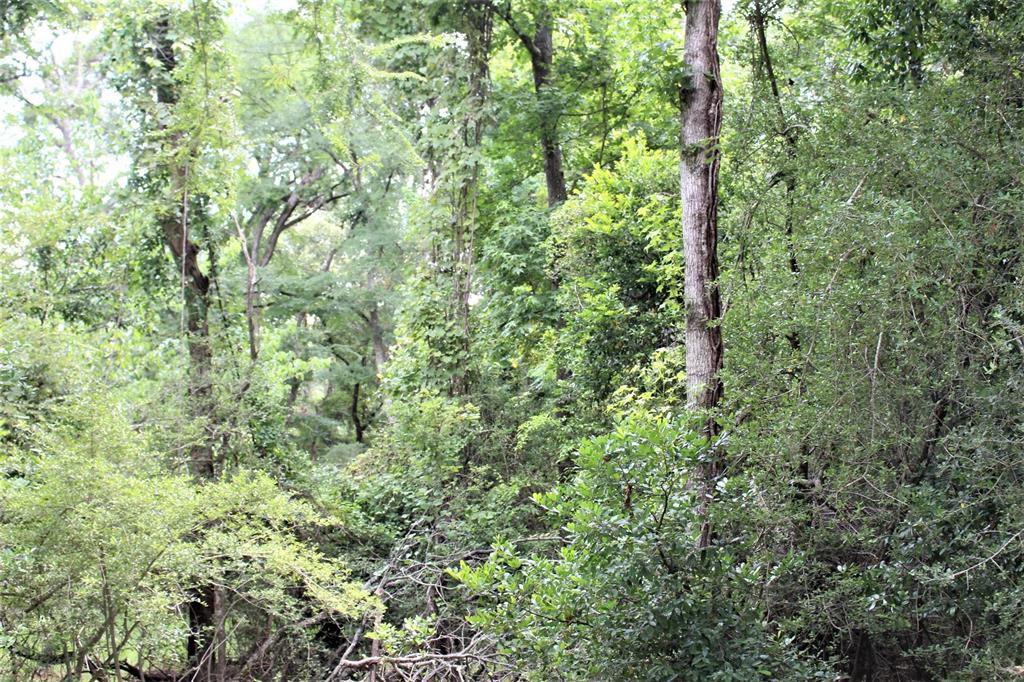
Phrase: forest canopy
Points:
(521, 340)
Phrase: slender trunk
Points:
(460, 295)
(479, 36)
(789, 137)
(201, 643)
(220, 658)
(200, 378)
(541, 61)
(69, 149)
(540, 47)
(251, 295)
(202, 618)
(701, 121)
(380, 348)
(357, 422)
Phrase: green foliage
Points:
(620, 267)
(446, 418)
(101, 545)
(432, 432)
(627, 595)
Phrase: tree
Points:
(700, 100)
(383, 340)
(540, 47)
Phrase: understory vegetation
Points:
(522, 340)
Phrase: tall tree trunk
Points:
(479, 38)
(541, 61)
(789, 137)
(541, 49)
(200, 379)
(380, 347)
(373, 321)
(701, 120)
(357, 422)
(542, 55)
(201, 644)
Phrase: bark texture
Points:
(701, 122)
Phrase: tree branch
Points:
(505, 14)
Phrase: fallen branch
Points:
(413, 659)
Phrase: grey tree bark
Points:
(700, 101)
